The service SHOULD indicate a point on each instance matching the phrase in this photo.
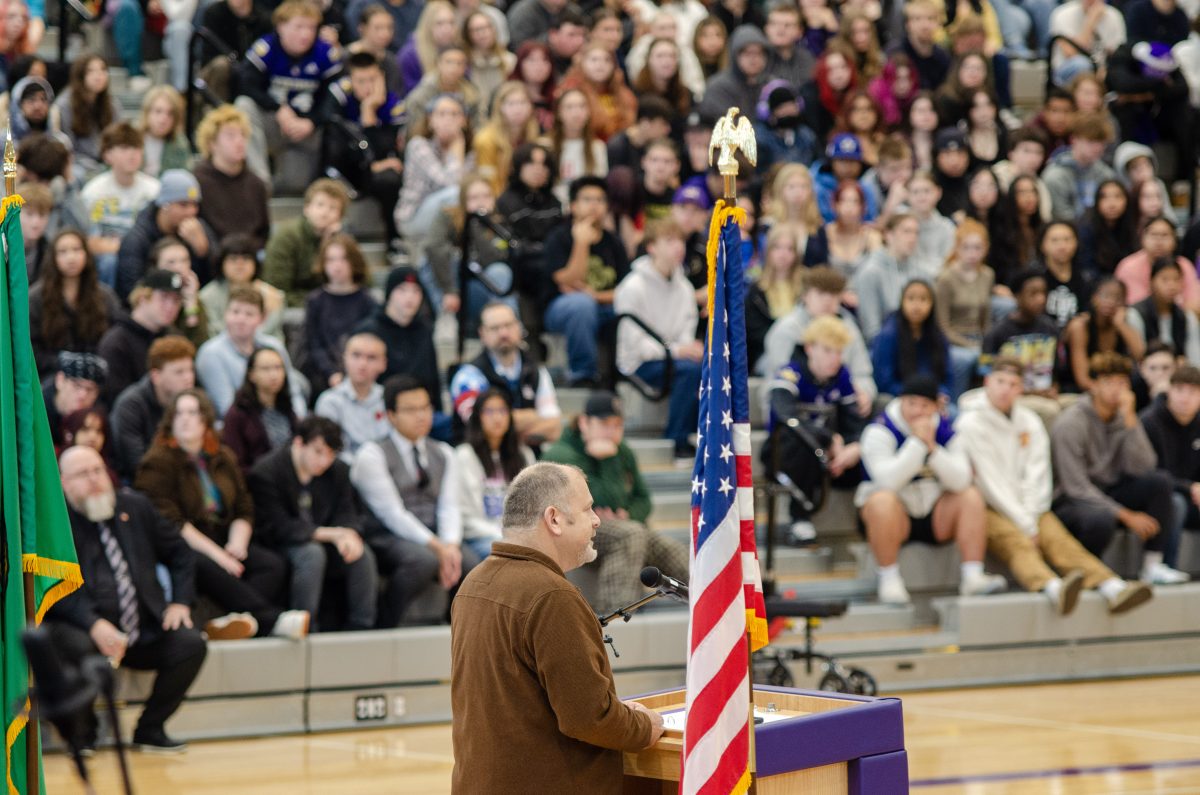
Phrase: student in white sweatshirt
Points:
(1010, 451)
(657, 292)
(918, 488)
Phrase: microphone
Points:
(653, 578)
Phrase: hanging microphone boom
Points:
(653, 578)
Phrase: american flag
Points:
(725, 587)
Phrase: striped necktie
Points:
(126, 592)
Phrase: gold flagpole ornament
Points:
(10, 163)
(730, 137)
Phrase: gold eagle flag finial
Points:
(10, 163)
(730, 137)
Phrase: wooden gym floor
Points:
(1127, 736)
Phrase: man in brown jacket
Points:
(535, 705)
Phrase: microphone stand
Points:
(625, 613)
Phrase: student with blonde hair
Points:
(164, 145)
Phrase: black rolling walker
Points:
(789, 457)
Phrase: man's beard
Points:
(100, 507)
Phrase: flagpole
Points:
(32, 739)
(729, 138)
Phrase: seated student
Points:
(1073, 175)
(114, 198)
(1107, 231)
(234, 25)
(504, 365)
(951, 158)
(878, 284)
(333, 310)
(657, 292)
(775, 292)
(820, 297)
(155, 306)
(1068, 287)
(164, 144)
(488, 459)
(375, 31)
(1173, 429)
(282, 82)
(75, 387)
(292, 247)
(139, 408)
(1158, 241)
(34, 112)
(1105, 476)
(435, 160)
(964, 301)
(305, 509)
(488, 253)
(585, 262)
(843, 163)
(887, 182)
(850, 242)
(653, 122)
(261, 418)
(624, 544)
(644, 196)
(918, 488)
(89, 104)
(910, 343)
(236, 265)
(409, 482)
(404, 324)
(221, 362)
(174, 212)
(170, 254)
(530, 210)
(69, 307)
(1010, 451)
(512, 122)
(1026, 154)
(365, 147)
(1154, 371)
(935, 237)
(781, 130)
(1102, 329)
(1030, 337)
(121, 611)
(448, 78)
(89, 428)
(44, 160)
(35, 218)
(815, 388)
(195, 483)
(221, 139)
(355, 402)
(1158, 318)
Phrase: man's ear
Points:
(553, 519)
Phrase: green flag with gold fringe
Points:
(33, 514)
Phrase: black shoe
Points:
(157, 742)
(685, 451)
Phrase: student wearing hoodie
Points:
(935, 236)
(1009, 450)
(1172, 424)
(657, 292)
(1136, 163)
(1105, 475)
(918, 488)
(780, 129)
(738, 85)
(879, 283)
(1073, 176)
(821, 297)
(843, 163)
(34, 111)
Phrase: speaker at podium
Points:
(809, 741)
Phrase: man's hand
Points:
(349, 544)
(585, 231)
(229, 563)
(656, 720)
(692, 351)
(925, 429)
(192, 233)
(1143, 525)
(449, 562)
(1129, 408)
(451, 303)
(176, 616)
(863, 403)
(845, 458)
(111, 641)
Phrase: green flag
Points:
(33, 515)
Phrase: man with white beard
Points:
(121, 612)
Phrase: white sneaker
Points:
(982, 583)
(291, 624)
(893, 592)
(140, 84)
(234, 626)
(802, 533)
(1162, 574)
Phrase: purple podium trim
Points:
(882, 774)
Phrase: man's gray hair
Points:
(535, 489)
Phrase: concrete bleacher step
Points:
(1028, 81)
(650, 453)
(284, 208)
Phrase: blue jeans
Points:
(478, 296)
(683, 405)
(1014, 27)
(578, 317)
(175, 45)
(480, 546)
(963, 362)
(106, 269)
(127, 26)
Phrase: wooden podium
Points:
(827, 744)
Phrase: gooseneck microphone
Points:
(653, 578)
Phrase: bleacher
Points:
(393, 677)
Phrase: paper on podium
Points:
(674, 720)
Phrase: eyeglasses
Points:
(414, 409)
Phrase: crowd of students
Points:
(926, 270)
